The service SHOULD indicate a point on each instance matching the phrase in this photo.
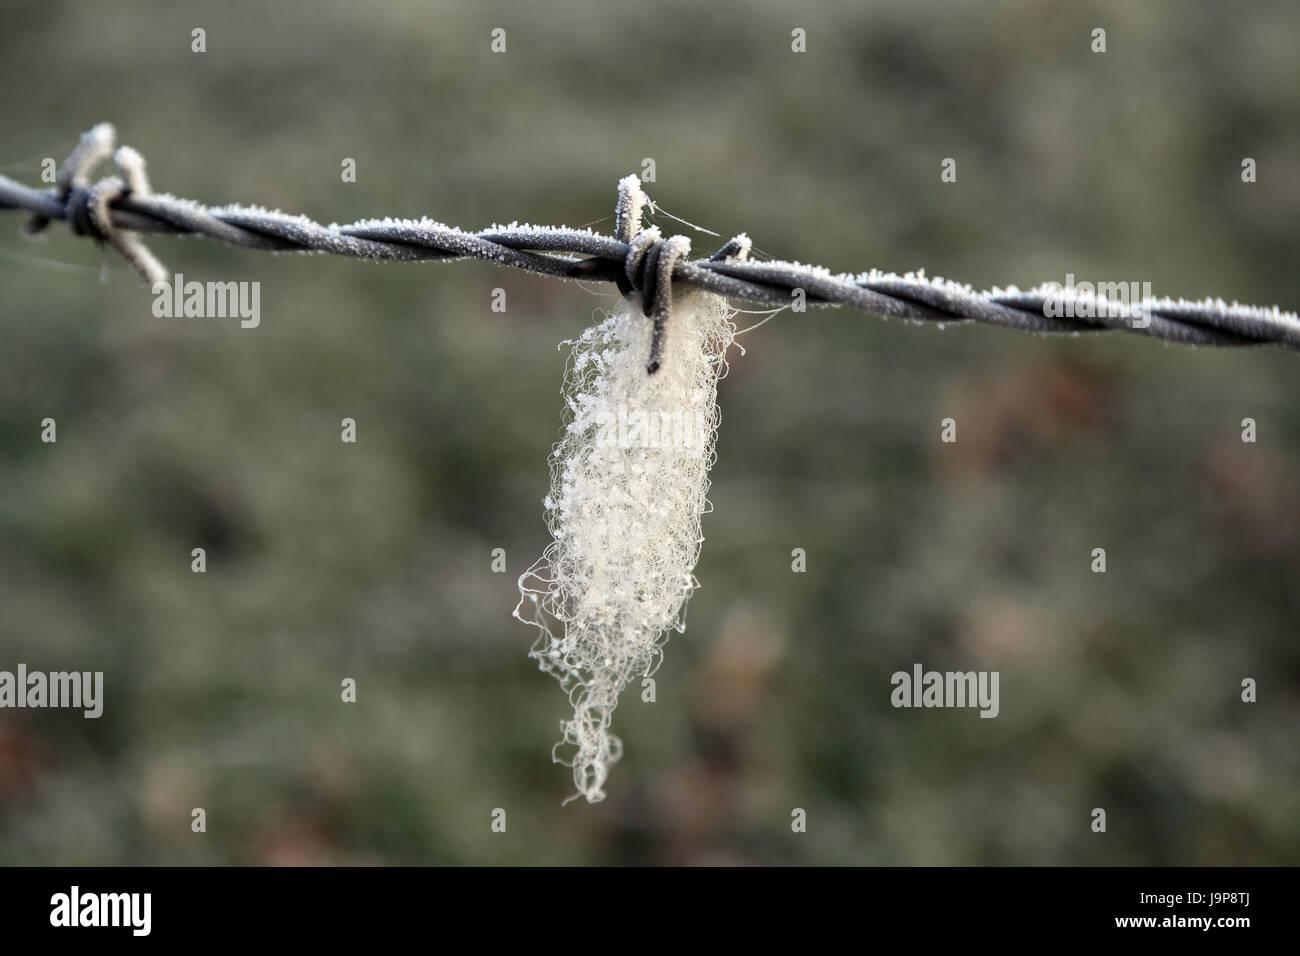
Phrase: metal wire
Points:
(118, 209)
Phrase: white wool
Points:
(628, 483)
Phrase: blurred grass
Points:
(372, 561)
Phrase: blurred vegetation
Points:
(372, 560)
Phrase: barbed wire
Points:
(119, 209)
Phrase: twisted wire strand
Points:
(119, 209)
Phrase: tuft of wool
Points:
(629, 479)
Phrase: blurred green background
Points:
(372, 560)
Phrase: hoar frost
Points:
(627, 494)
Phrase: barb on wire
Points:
(119, 209)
